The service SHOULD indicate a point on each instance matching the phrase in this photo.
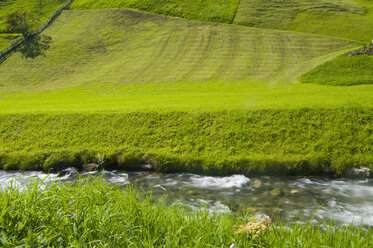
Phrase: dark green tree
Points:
(21, 21)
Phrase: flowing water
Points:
(344, 201)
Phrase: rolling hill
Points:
(122, 46)
(123, 87)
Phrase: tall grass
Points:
(91, 213)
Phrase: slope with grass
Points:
(343, 70)
(123, 46)
(207, 10)
(42, 9)
(352, 19)
(7, 39)
(182, 95)
(270, 142)
(47, 9)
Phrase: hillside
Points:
(124, 87)
(43, 13)
(344, 70)
(351, 19)
(6, 39)
(207, 10)
(123, 46)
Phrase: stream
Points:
(293, 199)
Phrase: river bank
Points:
(91, 213)
(293, 199)
(327, 142)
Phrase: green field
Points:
(351, 19)
(183, 95)
(207, 10)
(107, 84)
(343, 70)
(121, 46)
(7, 39)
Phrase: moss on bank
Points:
(271, 142)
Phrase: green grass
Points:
(343, 70)
(207, 10)
(340, 18)
(176, 93)
(121, 46)
(299, 141)
(186, 96)
(351, 19)
(48, 8)
(7, 39)
(93, 214)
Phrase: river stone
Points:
(90, 167)
(276, 192)
(257, 184)
(294, 191)
(68, 171)
(139, 167)
(59, 166)
(358, 173)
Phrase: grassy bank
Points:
(121, 87)
(272, 142)
(343, 70)
(88, 214)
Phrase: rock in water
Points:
(59, 166)
(276, 192)
(68, 172)
(358, 173)
(90, 167)
(257, 184)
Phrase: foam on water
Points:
(219, 182)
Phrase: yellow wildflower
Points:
(255, 227)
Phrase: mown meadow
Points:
(182, 95)
(95, 47)
(90, 213)
(350, 19)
